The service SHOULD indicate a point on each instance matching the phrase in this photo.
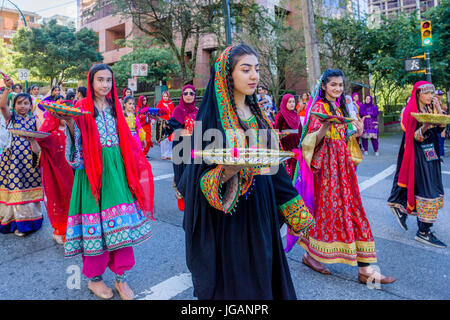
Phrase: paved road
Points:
(34, 267)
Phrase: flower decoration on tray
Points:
(65, 108)
(431, 118)
(331, 118)
(248, 157)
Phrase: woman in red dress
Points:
(342, 233)
(166, 105)
(288, 121)
(146, 122)
(57, 176)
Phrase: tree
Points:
(56, 52)
(346, 43)
(280, 47)
(440, 50)
(177, 24)
(161, 65)
(6, 60)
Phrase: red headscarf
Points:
(168, 110)
(137, 168)
(409, 123)
(291, 116)
(140, 104)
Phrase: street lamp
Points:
(21, 14)
(226, 4)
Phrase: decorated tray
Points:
(331, 118)
(248, 157)
(30, 134)
(62, 109)
(153, 111)
(431, 118)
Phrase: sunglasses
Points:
(190, 93)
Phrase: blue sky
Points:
(46, 8)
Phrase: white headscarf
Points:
(352, 107)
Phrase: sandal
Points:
(315, 265)
(105, 293)
(124, 295)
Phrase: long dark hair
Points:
(127, 98)
(20, 95)
(233, 57)
(329, 73)
(96, 68)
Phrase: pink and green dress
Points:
(117, 220)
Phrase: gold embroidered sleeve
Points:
(223, 197)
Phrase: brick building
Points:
(11, 20)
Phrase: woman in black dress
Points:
(417, 187)
(238, 255)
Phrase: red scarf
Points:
(409, 123)
(137, 168)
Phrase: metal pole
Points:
(226, 4)
(23, 17)
(427, 58)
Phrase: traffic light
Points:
(425, 32)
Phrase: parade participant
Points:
(16, 89)
(352, 108)
(369, 113)
(38, 111)
(56, 174)
(417, 188)
(301, 106)
(127, 92)
(238, 256)
(146, 122)
(20, 178)
(438, 102)
(183, 118)
(266, 102)
(112, 194)
(341, 233)
(54, 92)
(288, 121)
(355, 97)
(133, 121)
(80, 94)
(166, 113)
(70, 96)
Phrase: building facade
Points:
(378, 8)
(61, 20)
(11, 20)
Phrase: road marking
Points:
(169, 288)
(162, 177)
(362, 186)
(377, 178)
(446, 172)
(173, 286)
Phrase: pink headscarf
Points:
(359, 103)
(291, 116)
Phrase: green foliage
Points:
(440, 50)
(280, 47)
(6, 60)
(347, 44)
(161, 65)
(56, 52)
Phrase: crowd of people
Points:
(94, 176)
